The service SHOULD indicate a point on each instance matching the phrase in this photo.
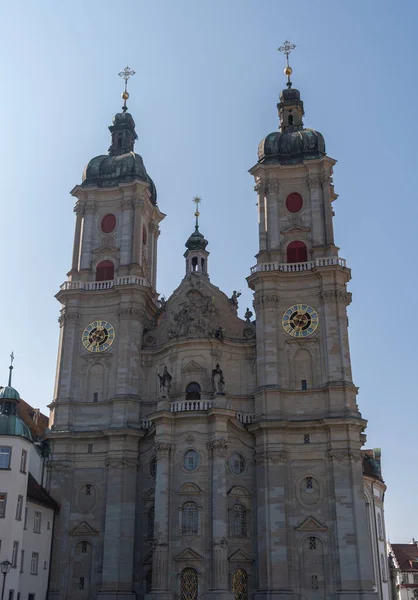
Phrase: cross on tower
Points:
(197, 200)
(126, 74)
(287, 49)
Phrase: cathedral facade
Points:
(195, 454)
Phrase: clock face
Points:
(300, 320)
(98, 336)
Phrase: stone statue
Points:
(234, 299)
(248, 315)
(218, 380)
(165, 383)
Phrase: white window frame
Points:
(3, 505)
(5, 451)
(34, 563)
(37, 522)
(22, 560)
(19, 508)
(15, 553)
(23, 461)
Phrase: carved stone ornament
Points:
(338, 295)
(163, 450)
(260, 188)
(129, 312)
(222, 543)
(59, 465)
(344, 454)
(218, 447)
(314, 183)
(68, 317)
(269, 456)
(195, 317)
(272, 186)
(121, 463)
(89, 209)
(190, 439)
(261, 300)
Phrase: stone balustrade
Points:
(104, 285)
(185, 405)
(244, 418)
(327, 261)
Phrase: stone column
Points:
(126, 235)
(272, 197)
(220, 587)
(260, 189)
(273, 563)
(67, 357)
(86, 248)
(137, 236)
(329, 229)
(119, 530)
(160, 567)
(317, 211)
(77, 236)
(156, 233)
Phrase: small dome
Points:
(11, 424)
(9, 393)
(124, 118)
(196, 241)
(291, 146)
(107, 171)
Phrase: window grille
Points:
(309, 483)
(312, 543)
(189, 584)
(88, 489)
(238, 517)
(240, 585)
(83, 547)
(81, 583)
(315, 584)
(306, 438)
(190, 518)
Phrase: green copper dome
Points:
(122, 164)
(13, 425)
(196, 241)
(9, 393)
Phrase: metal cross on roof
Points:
(12, 357)
(126, 74)
(287, 49)
(197, 200)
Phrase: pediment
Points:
(238, 491)
(84, 529)
(311, 524)
(188, 554)
(193, 367)
(239, 556)
(190, 488)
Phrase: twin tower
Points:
(196, 454)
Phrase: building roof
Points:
(372, 463)
(406, 555)
(36, 492)
(33, 418)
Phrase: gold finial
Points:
(126, 74)
(197, 200)
(287, 49)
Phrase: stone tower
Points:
(196, 454)
(312, 532)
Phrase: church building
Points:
(195, 454)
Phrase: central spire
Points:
(196, 254)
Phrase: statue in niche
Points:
(218, 380)
(165, 383)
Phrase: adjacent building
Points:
(194, 453)
(26, 510)
(403, 559)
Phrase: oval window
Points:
(237, 463)
(294, 202)
(191, 460)
(108, 223)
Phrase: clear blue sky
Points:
(205, 93)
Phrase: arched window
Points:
(190, 518)
(290, 120)
(150, 522)
(105, 271)
(238, 521)
(193, 391)
(194, 263)
(296, 252)
(240, 585)
(189, 584)
(148, 581)
(191, 460)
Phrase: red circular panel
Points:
(294, 202)
(108, 223)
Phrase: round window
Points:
(294, 202)
(108, 223)
(153, 467)
(191, 460)
(237, 463)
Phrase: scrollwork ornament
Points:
(67, 316)
(314, 183)
(342, 454)
(121, 463)
(89, 209)
(218, 447)
(344, 297)
(262, 300)
(273, 186)
(59, 465)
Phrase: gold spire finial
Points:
(197, 200)
(287, 49)
(126, 74)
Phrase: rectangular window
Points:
(22, 560)
(5, 452)
(19, 507)
(11, 594)
(306, 438)
(304, 384)
(3, 501)
(45, 565)
(14, 554)
(31, 596)
(34, 563)
(95, 396)
(415, 578)
(37, 522)
(48, 525)
(18, 596)
(25, 522)
(23, 460)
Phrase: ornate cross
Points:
(287, 49)
(197, 200)
(126, 74)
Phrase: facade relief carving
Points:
(343, 454)
(314, 183)
(218, 447)
(195, 317)
(261, 300)
(271, 456)
(67, 316)
(338, 295)
(163, 450)
(121, 462)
